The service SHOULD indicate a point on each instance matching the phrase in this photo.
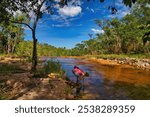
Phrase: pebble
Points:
(143, 63)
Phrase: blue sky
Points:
(72, 24)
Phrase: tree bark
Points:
(34, 54)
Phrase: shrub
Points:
(8, 68)
(51, 66)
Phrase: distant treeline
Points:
(129, 35)
(43, 49)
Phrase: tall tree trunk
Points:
(34, 53)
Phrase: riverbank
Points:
(143, 64)
(132, 61)
(16, 82)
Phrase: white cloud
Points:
(97, 31)
(25, 28)
(56, 17)
(119, 3)
(60, 25)
(57, 25)
(67, 13)
(75, 2)
(92, 10)
(120, 13)
(125, 13)
(66, 23)
(70, 11)
(87, 8)
(43, 7)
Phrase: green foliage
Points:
(9, 68)
(68, 90)
(120, 56)
(52, 66)
(129, 35)
(24, 48)
(10, 36)
(28, 59)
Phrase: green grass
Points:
(118, 56)
(68, 90)
(2, 55)
(9, 68)
(51, 66)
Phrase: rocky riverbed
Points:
(130, 62)
(141, 64)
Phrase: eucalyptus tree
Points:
(12, 35)
(34, 10)
(141, 12)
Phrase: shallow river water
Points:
(108, 81)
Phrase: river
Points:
(108, 82)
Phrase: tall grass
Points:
(51, 66)
(9, 68)
(117, 56)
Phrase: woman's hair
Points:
(76, 67)
(86, 74)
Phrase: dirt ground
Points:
(21, 85)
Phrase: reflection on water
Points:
(108, 82)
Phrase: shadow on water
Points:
(108, 82)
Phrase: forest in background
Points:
(129, 35)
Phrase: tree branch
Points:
(23, 24)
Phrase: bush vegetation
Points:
(53, 66)
(10, 68)
(50, 66)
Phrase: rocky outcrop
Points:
(138, 63)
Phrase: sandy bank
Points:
(143, 64)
